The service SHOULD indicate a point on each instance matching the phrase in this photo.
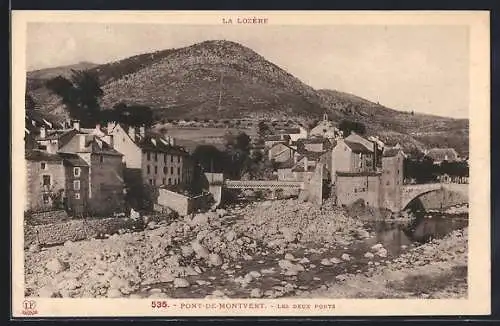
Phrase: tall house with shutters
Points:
(150, 158)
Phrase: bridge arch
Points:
(448, 196)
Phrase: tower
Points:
(392, 179)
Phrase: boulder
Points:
(326, 262)
(187, 251)
(335, 260)
(34, 248)
(231, 235)
(214, 259)
(114, 293)
(377, 247)
(180, 283)
(382, 252)
(56, 265)
(289, 235)
(199, 249)
(346, 257)
(369, 255)
(256, 293)
(362, 234)
(200, 219)
(289, 256)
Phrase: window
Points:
(178, 170)
(76, 185)
(148, 155)
(42, 147)
(149, 169)
(171, 158)
(156, 157)
(171, 170)
(156, 170)
(151, 181)
(164, 181)
(46, 180)
(43, 166)
(46, 198)
(165, 170)
(77, 195)
(165, 158)
(101, 158)
(178, 159)
(169, 181)
(76, 172)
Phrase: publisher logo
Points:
(29, 307)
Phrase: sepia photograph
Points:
(245, 159)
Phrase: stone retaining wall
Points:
(76, 230)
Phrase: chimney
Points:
(111, 126)
(82, 141)
(142, 131)
(76, 125)
(43, 132)
(131, 132)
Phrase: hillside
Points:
(187, 83)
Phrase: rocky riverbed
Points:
(266, 249)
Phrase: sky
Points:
(409, 68)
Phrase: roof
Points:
(390, 152)
(442, 154)
(273, 138)
(38, 155)
(72, 159)
(358, 174)
(300, 168)
(93, 144)
(358, 148)
(314, 156)
(156, 143)
(289, 131)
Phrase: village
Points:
(113, 168)
(126, 211)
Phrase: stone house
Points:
(55, 177)
(350, 156)
(271, 140)
(154, 158)
(281, 152)
(439, 155)
(326, 129)
(295, 134)
(105, 177)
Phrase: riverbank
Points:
(265, 249)
(434, 270)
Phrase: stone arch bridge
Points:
(412, 192)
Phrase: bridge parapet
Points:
(262, 184)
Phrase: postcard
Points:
(181, 163)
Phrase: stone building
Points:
(155, 159)
(56, 181)
(295, 134)
(358, 175)
(326, 129)
(439, 155)
(281, 153)
(105, 179)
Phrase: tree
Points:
(263, 129)
(346, 126)
(312, 124)
(133, 115)
(80, 94)
(29, 102)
